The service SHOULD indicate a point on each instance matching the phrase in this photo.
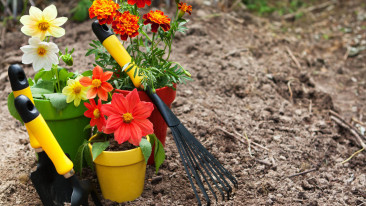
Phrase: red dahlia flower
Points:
(95, 113)
(139, 3)
(156, 19)
(127, 118)
(98, 84)
(126, 25)
(104, 10)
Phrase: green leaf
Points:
(98, 148)
(47, 76)
(11, 107)
(64, 75)
(87, 127)
(41, 88)
(45, 84)
(78, 161)
(145, 148)
(159, 152)
(81, 10)
(58, 100)
(87, 73)
(88, 157)
(89, 52)
(39, 75)
(30, 82)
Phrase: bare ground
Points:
(246, 82)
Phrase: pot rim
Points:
(48, 112)
(118, 158)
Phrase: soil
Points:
(267, 80)
(114, 146)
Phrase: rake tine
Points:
(186, 168)
(215, 164)
(215, 173)
(191, 156)
(183, 154)
(205, 166)
(195, 142)
(193, 168)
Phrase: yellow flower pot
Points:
(121, 174)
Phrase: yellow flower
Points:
(74, 91)
(43, 23)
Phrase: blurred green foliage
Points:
(266, 7)
(80, 12)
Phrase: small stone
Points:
(186, 108)
(267, 88)
(298, 112)
(156, 180)
(354, 109)
(189, 92)
(23, 141)
(277, 137)
(270, 132)
(302, 195)
(23, 178)
(306, 186)
(189, 196)
(158, 189)
(282, 157)
(172, 166)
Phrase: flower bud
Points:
(187, 73)
(180, 14)
(67, 58)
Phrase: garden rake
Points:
(199, 164)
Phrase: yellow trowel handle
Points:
(20, 86)
(118, 52)
(39, 128)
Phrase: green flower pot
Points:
(66, 125)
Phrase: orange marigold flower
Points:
(98, 84)
(156, 19)
(184, 8)
(139, 3)
(104, 10)
(126, 25)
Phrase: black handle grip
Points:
(18, 80)
(101, 31)
(169, 117)
(26, 108)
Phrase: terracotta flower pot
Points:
(121, 174)
(67, 125)
(167, 94)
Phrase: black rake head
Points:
(202, 166)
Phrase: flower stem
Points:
(58, 87)
(142, 31)
(152, 44)
(133, 50)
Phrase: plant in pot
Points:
(148, 40)
(56, 91)
(118, 149)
